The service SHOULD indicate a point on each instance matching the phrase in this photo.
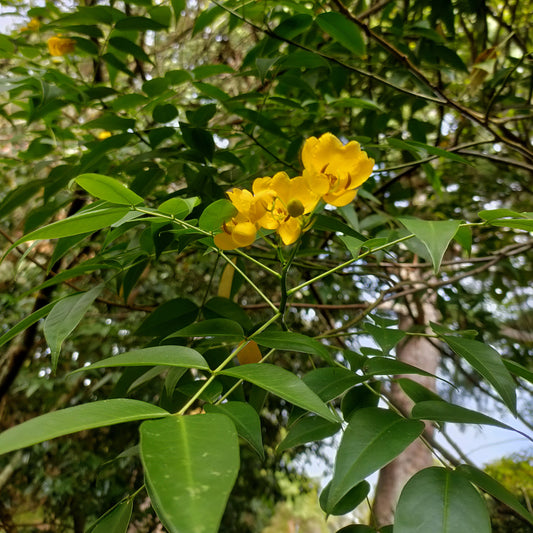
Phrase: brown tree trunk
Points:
(419, 352)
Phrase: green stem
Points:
(257, 289)
(346, 263)
(224, 363)
(258, 263)
(230, 391)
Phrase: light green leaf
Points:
(373, 438)
(179, 207)
(308, 429)
(64, 317)
(436, 235)
(488, 363)
(352, 244)
(116, 520)
(293, 342)
(108, 189)
(343, 31)
(77, 418)
(170, 355)
(433, 150)
(284, 384)
(84, 222)
(495, 489)
(246, 421)
(190, 481)
(216, 214)
(437, 499)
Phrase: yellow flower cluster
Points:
(33, 25)
(332, 172)
(60, 46)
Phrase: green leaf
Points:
(347, 503)
(64, 317)
(216, 214)
(359, 397)
(86, 221)
(246, 421)
(330, 223)
(488, 363)
(170, 355)
(206, 71)
(492, 214)
(436, 235)
(343, 31)
(329, 383)
(352, 244)
(308, 429)
(116, 520)
(168, 317)
(433, 150)
(179, 207)
(129, 47)
(26, 322)
(293, 26)
(190, 481)
(19, 196)
(415, 391)
(164, 113)
(516, 368)
(442, 411)
(293, 342)
(373, 438)
(386, 338)
(495, 489)
(386, 366)
(109, 189)
(214, 327)
(437, 499)
(138, 24)
(74, 419)
(284, 384)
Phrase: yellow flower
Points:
(60, 46)
(33, 25)
(333, 170)
(286, 201)
(242, 228)
(104, 135)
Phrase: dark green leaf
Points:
(216, 327)
(129, 47)
(347, 503)
(308, 429)
(373, 438)
(169, 317)
(386, 338)
(163, 113)
(138, 24)
(488, 363)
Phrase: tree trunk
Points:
(419, 352)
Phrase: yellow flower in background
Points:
(242, 228)
(286, 201)
(104, 135)
(333, 170)
(33, 25)
(60, 46)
